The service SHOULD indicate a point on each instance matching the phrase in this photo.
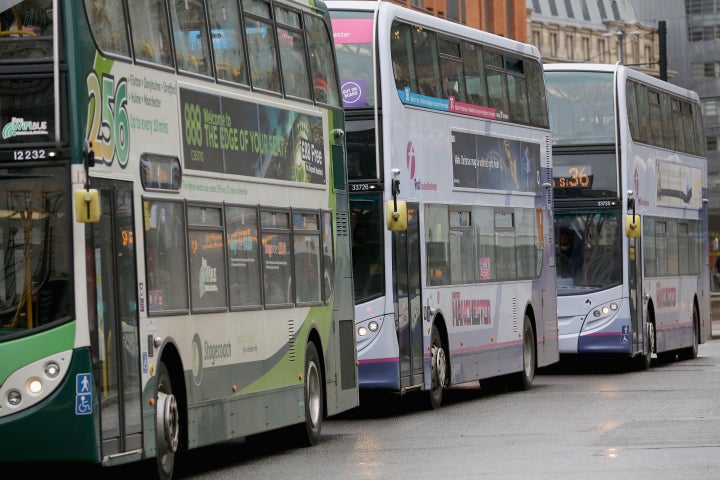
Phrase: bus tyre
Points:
(309, 432)
(438, 368)
(523, 379)
(645, 359)
(691, 352)
(167, 424)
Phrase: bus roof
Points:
(626, 72)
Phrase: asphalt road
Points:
(579, 420)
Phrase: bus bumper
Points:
(379, 374)
(51, 430)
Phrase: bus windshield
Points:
(581, 107)
(588, 250)
(34, 248)
(352, 33)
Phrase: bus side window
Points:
(107, 22)
(167, 256)
(306, 257)
(191, 37)
(261, 50)
(319, 41)
(243, 257)
(276, 253)
(474, 69)
(517, 95)
(150, 32)
(263, 56)
(400, 46)
(496, 82)
(643, 113)
(426, 62)
(227, 41)
(293, 55)
(451, 70)
(537, 103)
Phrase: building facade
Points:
(604, 31)
(501, 17)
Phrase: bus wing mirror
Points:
(397, 216)
(87, 205)
(632, 226)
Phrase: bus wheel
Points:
(523, 379)
(645, 358)
(167, 424)
(438, 368)
(309, 432)
(691, 352)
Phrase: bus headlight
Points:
(372, 326)
(29, 385)
(52, 370)
(34, 386)
(14, 398)
(601, 315)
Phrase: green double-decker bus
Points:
(174, 234)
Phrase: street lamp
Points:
(621, 34)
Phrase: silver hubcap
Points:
(313, 392)
(439, 365)
(168, 423)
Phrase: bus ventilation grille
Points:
(547, 162)
(341, 223)
(291, 340)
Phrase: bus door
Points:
(636, 294)
(408, 299)
(113, 309)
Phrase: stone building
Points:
(604, 31)
(502, 17)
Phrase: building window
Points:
(615, 9)
(702, 7)
(649, 54)
(553, 44)
(709, 70)
(585, 48)
(453, 12)
(536, 6)
(537, 38)
(602, 50)
(711, 144)
(553, 8)
(710, 106)
(570, 45)
(585, 11)
(601, 7)
(568, 8)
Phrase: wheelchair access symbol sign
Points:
(83, 394)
